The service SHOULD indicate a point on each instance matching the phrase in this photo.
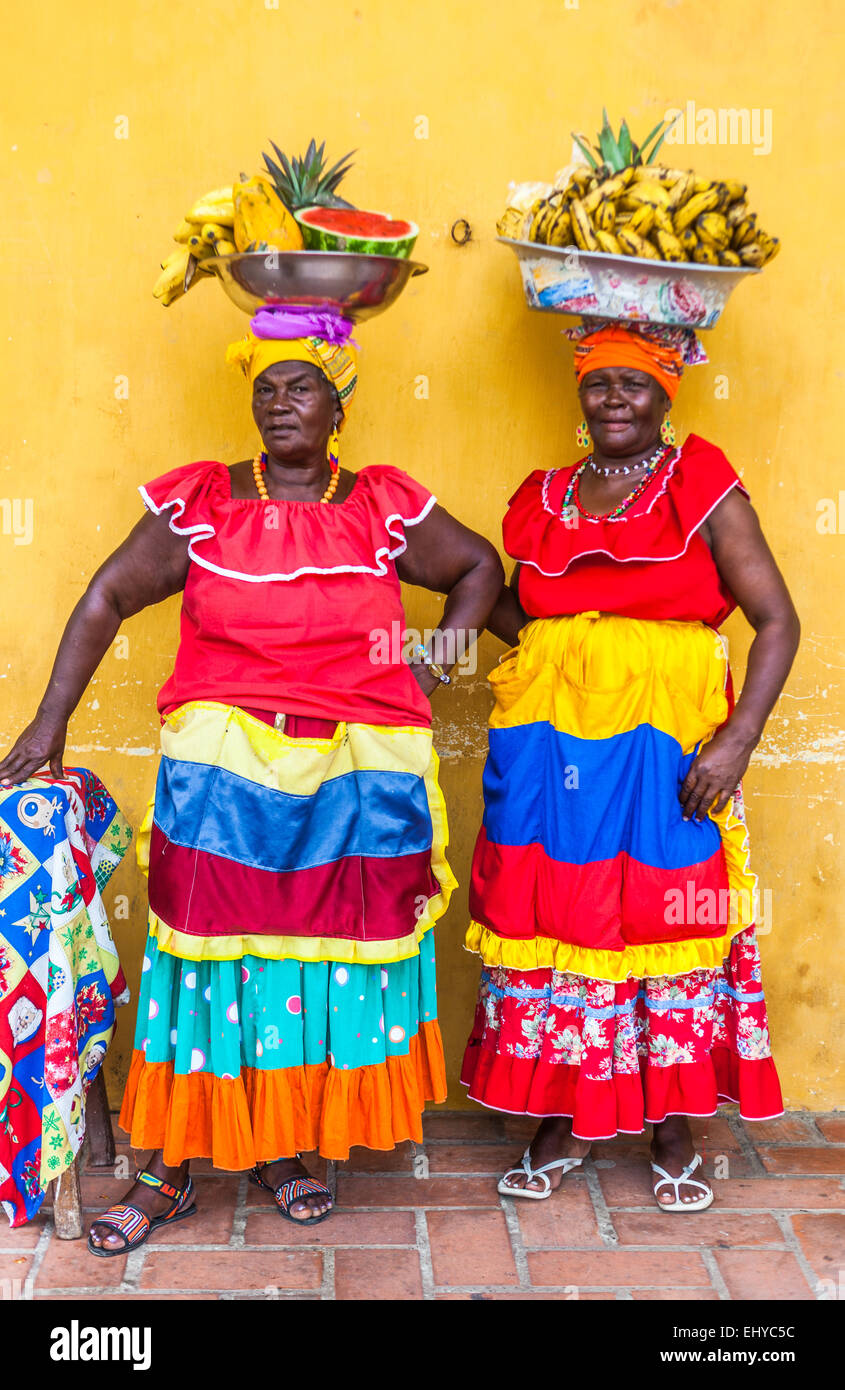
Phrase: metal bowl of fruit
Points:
(620, 237)
(348, 283)
(594, 284)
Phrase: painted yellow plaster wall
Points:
(87, 217)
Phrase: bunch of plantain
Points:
(206, 230)
(650, 212)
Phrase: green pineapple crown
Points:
(305, 182)
(617, 152)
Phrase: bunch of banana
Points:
(206, 230)
(651, 212)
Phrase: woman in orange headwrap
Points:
(296, 846)
(612, 896)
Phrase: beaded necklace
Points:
(259, 466)
(653, 466)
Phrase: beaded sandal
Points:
(293, 1190)
(133, 1225)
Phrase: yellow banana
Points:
(712, 229)
(510, 224)
(213, 231)
(646, 191)
(745, 232)
(688, 240)
(702, 185)
(693, 208)
(544, 221)
(682, 190)
(604, 216)
(532, 219)
(659, 173)
(172, 278)
(737, 214)
(729, 258)
(736, 190)
(579, 181)
(752, 254)
(724, 197)
(217, 195)
(663, 221)
(582, 227)
(223, 247)
(608, 242)
(608, 189)
(642, 220)
(770, 245)
(670, 247)
(560, 231)
(176, 257)
(633, 245)
(223, 213)
(705, 255)
(185, 230)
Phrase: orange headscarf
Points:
(625, 347)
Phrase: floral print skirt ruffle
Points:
(618, 1056)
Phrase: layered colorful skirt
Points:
(620, 971)
(288, 998)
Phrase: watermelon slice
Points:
(350, 229)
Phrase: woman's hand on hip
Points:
(42, 743)
(715, 774)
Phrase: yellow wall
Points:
(87, 218)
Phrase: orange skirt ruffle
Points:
(263, 1115)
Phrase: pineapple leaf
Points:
(625, 142)
(585, 150)
(656, 147)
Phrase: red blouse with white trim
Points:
(651, 563)
(293, 606)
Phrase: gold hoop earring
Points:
(667, 432)
(583, 436)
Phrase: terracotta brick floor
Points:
(429, 1224)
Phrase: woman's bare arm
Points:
(150, 565)
(748, 568)
(449, 558)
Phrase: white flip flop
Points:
(699, 1204)
(567, 1164)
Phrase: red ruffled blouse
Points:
(293, 606)
(652, 564)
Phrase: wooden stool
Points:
(98, 1148)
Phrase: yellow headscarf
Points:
(338, 363)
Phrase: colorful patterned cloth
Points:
(618, 1056)
(621, 978)
(288, 999)
(60, 977)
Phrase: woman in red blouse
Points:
(612, 896)
(296, 846)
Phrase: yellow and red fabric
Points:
(584, 861)
(288, 998)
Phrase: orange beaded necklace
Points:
(259, 466)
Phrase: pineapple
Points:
(305, 182)
(620, 152)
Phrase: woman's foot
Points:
(150, 1200)
(305, 1208)
(552, 1140)
(672, 1148)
